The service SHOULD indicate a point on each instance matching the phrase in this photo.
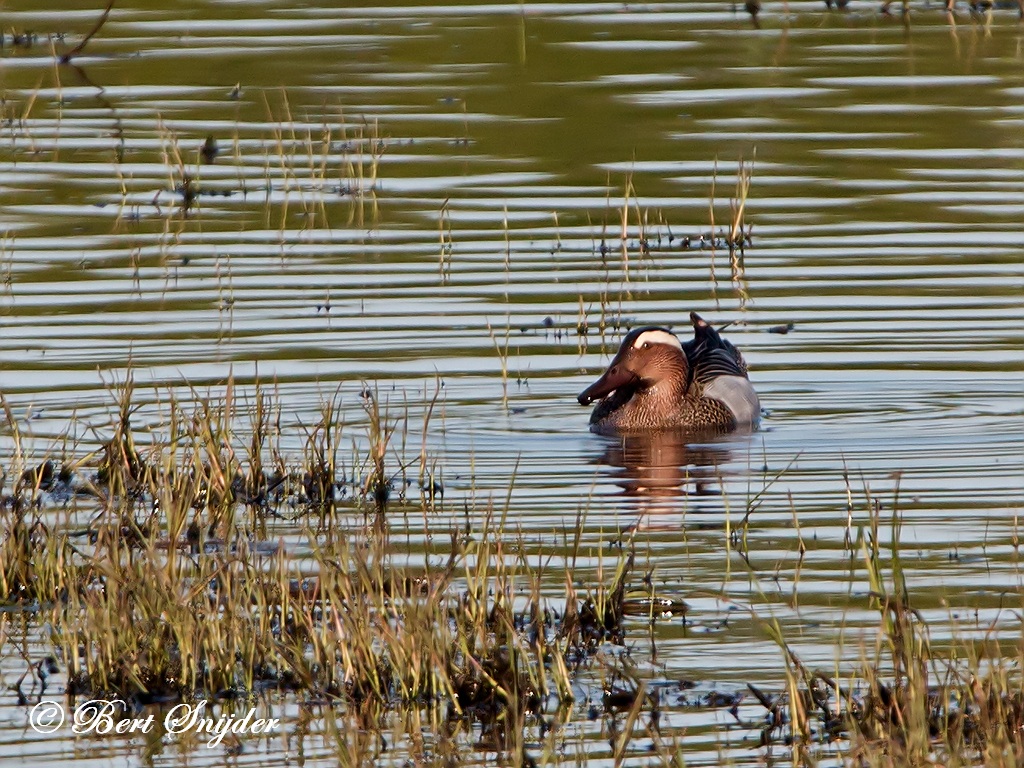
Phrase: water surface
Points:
(414, 197)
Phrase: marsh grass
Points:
(176, 587)
(501, 350)
(901, 701)
(964, 704)
(182, 584)
(737, 234)
(315, 171)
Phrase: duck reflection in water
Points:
(659, 468)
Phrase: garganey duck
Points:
(655, 382)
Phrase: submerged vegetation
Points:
(185, 583)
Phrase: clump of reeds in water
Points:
(175, 589)
(904, 703)
(36, 561)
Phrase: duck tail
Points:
(710, 355)
(703, 330)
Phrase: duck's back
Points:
(719, 372)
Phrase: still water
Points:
(439, 199)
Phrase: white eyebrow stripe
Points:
(657, 337)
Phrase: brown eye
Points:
(647, 345)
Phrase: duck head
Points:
(647, 357)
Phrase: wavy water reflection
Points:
(661, 469)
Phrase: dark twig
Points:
(66, 58)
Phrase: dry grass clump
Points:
(904, 703)
(36, 563)
(174, 589)
(903, 707)
(960, 714)
(160, 619)
(962, 706)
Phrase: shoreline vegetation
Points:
(176, 590)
